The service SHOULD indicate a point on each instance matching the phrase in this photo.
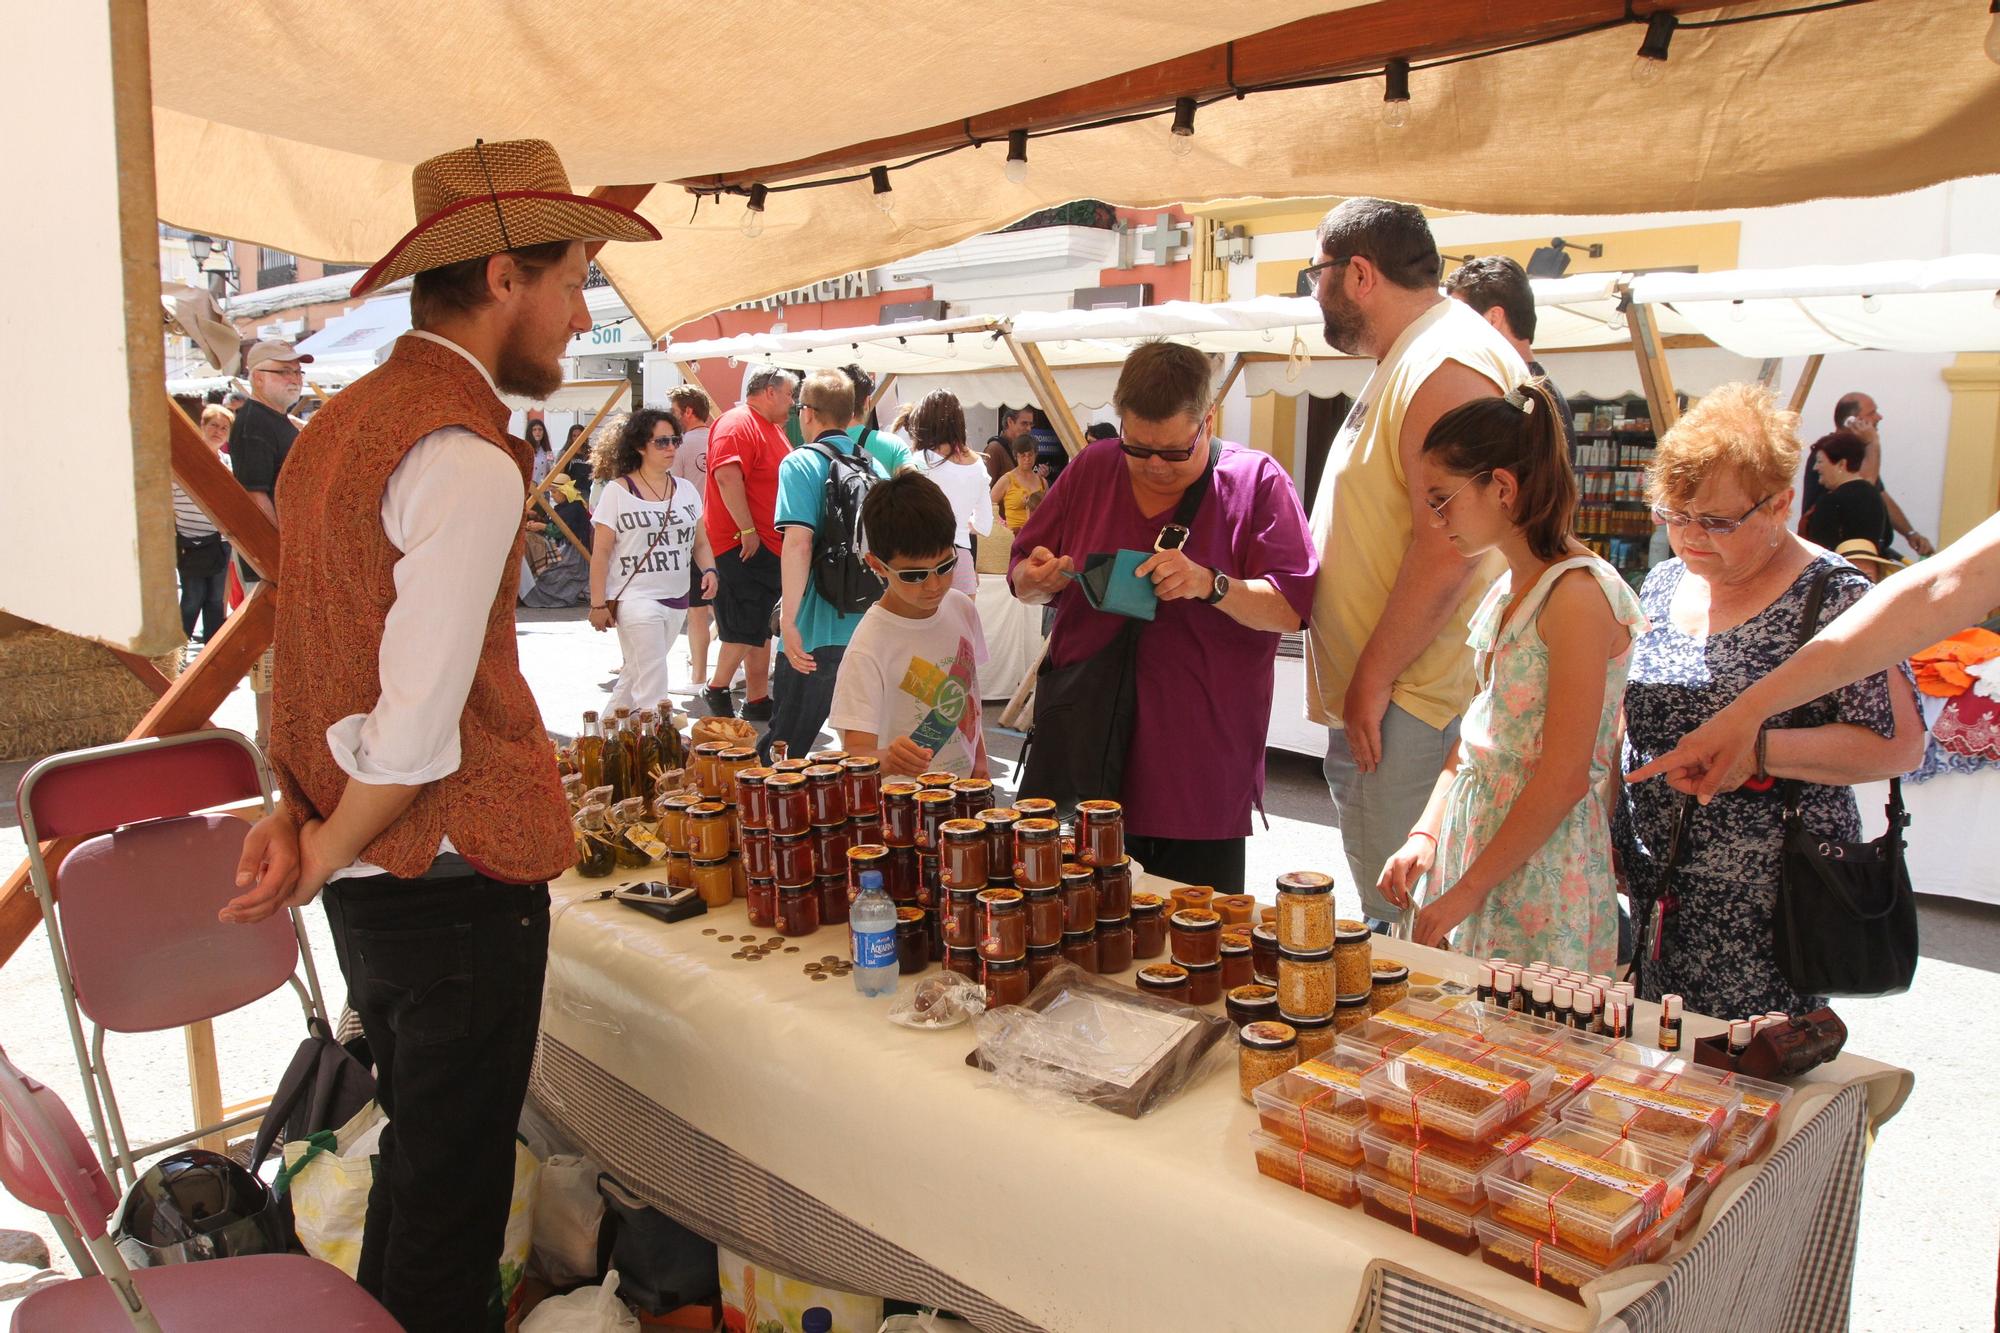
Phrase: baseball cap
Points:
(274, 351)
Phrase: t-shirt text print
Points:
(652, 553)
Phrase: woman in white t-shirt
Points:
(648, 534)
(937, 432)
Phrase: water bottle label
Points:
(875, 948)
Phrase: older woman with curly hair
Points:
(647, 537)
(1724, 612)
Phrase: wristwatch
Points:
(1219, 589)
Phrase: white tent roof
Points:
(355, 341)
(916, 347)
(1942, 305)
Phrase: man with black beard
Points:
(1387, 666)
(419, 787)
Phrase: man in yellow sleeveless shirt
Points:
(1387, 666)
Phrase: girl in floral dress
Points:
(1515, 843)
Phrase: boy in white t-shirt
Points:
(908, 689)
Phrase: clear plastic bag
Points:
(938, 1002)
(1083, 1039)
(587, 1310)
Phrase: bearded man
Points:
(419, 788)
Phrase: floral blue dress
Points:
(1716, 948)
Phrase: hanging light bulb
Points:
(885, 198)
(1871, 305)
(1651, 65)
(1396, 93)
(1180, 140)
(1993, 33)
(1738, 312)
(1016, 169)
(753, 212)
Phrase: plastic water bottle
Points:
(871, 925)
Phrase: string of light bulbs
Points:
(1648, 69)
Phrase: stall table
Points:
(789, 1120)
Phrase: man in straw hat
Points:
(419, 788)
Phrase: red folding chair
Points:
(136, 941)
(46, 1163)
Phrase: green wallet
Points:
(1110, 583)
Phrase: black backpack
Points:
(839, 573)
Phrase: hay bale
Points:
(61, 692)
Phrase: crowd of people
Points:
(1515, 736)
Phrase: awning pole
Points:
(1043, 381)
(876, 397)
(1228, 383)
(1653, 373)
(1803, 388)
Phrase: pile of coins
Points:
(750, 949)
(829, 965)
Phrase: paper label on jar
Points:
(646, 840)
(1657, 1099)
(1611, 1175)
(1459, 1071)
(1411, 1023)
(1320, 1071)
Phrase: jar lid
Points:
(1037, 950)
(738, 753)
(964, 955)
(785, 781)
(935, 796)
(827, 756)
(1005, 964)
(909, 916)
(1038, 895)
(1075, 870)
(1001, 898)
(936, 778)
(1388, 973)
(1147, 903)
(1305, 881)
(753, 775)
(712, 861)
(1358, 1000)
(963, 828)
(1173, 972)
(1268, 934)
(861, 763)
(1079, 936)
(1033, 806)
(711, 747)
(1105, 923)
(798, 890)
(901, 789)
(1201, 967)
(1254, 996)
(1304, 1024)
(790, 765)
(791, 839)
(867, 851)
(1099, 809)
(971, 786)
(998, 814)
(679, 800)
(1351, 932)
(1037, 828)
(1122, 866)
(764, 880)
(1197, 918)
(1305, 955)
(1266, 1035)
(1235, 941)
(708, 809)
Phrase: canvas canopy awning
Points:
(351, 96)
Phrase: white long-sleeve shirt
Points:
(453, 508)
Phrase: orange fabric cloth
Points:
(1940, 668)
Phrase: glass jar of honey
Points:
(672, 810)
(757, 859)
(1079, 947)
(965, 962)
(1035, 807)
(1100, 832)
(680, 871)
(734, 761)
(1164, 981)
(1149, 925)
(1235, 959)
(962, 918)
(1114, 887)
(792, 860)
(780, 764)
(714, 881)
(936, 780)
(865, 828)
(863, 857)
(708, 831)
(930, 878)
(964, 853)
(902, 877)
(861, 782)
(1204, 982)
(899, 813)
(1004, 932)
(935, 805)
(826, 799)
(798, 910)
(708, 775)
(1006, 981)
(787, 807)
(1195, 934)
(830, 847)
(760, 897)
(833, 899)
(999, 824)
(970, 796)
(753, 810)
(913, 941)
(1079, 897)
(1114, 944)
(1037, 854)
(1041, 962)
(1045, 918)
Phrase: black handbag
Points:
(1085, 712)
(200, 557)
(1846, 917)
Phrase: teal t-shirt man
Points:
(801, 498)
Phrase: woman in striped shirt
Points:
(202, 556)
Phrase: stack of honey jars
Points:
(803, 821)
(1308, 977)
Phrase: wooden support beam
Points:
(1029, 358)
(212, 486)
(149, 675)
(1653, 373)
(1345, 42)
(1228, 383)
(876, 396)
(1803, 389)
(204, 1083)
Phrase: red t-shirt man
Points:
(743, 437)
(746, 443)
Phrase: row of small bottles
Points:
(1586, 1002)
(630, 756)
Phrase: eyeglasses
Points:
(1309, 275)
(1713, 524)
(1437, 510)
(286, 373)
(915, 576)
(1167, 455)
(664, 441)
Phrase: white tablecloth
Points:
(1069, 1218)
(1013, 637)
(1954, 835)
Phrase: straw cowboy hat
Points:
(492, 197)
(1863, 554)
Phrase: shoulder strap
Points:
(1197, 491)
(1788, 788)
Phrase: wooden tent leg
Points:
(1653, 372)
(556, 519)
(1803, 388)
(204, 1082)
(876, 397)
(563, 459)
(149, 675)
(1036, 369)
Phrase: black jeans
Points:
(446, 975)
(202, 599)
(800, 703)
(1216, 862)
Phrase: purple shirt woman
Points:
(1245, 576)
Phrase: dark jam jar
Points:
(1114, 887)
(761, 897)
(899, 813)
(1204, 982)
(1235, 958)
(1045, 918)
(1114, 944)
(913, 940)
(1196, 936)
(962, 918)
(935, 805)
(753, 806)
(1149, 925)
(1037, 854)
(964, 853)
(830, 844)
(1080, 947)
(1041, 962)
(865, 828)
(826, 802)
(832, 899)
(1006, 982)
(1165, 981)
(1036, 807)
(1100, 832)
(1264, 955)
(1250, 1004)
(798, 911)
(1079, 897)
(792, 860)
(861, 781)
(901, 878)
(787, 807)
(999, 826)
(1004, 932)
(864, 857)
(971, 795)
(965, 962)
(757, 855)
(930, 878)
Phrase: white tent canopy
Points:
(1942, 305)
(355, 342)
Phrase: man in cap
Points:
(419, 788)
(260, 439)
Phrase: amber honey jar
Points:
(1080, 948)
(1149, 925)
(970, 796)
(1234, 955)
(999, 825)
(708, 831)
(861, 783)
(1079, 897)
(1006, 981)
(792, 860)
(1100, 832)
(1204, 982)
(1195, 934)
(708, 774)
(1166, 981)
(826, 799)
(899, 813)
(1041, 962)
(961, 919)
(714, 881)
(833, 899)
(798, 910)
(902, 879)
(913, 940)
(962, 844)
(753, 807)
(786, 805)
(1004, 931)
(935, 805)
(864, 857)
(1114, 944)
(1045, 917)
(760, 897)
(1114, 887)
(965, 962)
(1037, 854)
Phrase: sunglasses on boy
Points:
(915, 576)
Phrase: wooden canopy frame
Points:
(538, 495)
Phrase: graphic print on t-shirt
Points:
(947, 689)
(669, 543)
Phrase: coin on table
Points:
(830, 959)
(724, 939)
(819, 976)
(791, 948)
(709, 931)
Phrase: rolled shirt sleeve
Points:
(453, 508)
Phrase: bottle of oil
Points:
(590, 752)
(673, 750)
(594, 854)
(617, 774)
(635, 769)
(650, 766)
